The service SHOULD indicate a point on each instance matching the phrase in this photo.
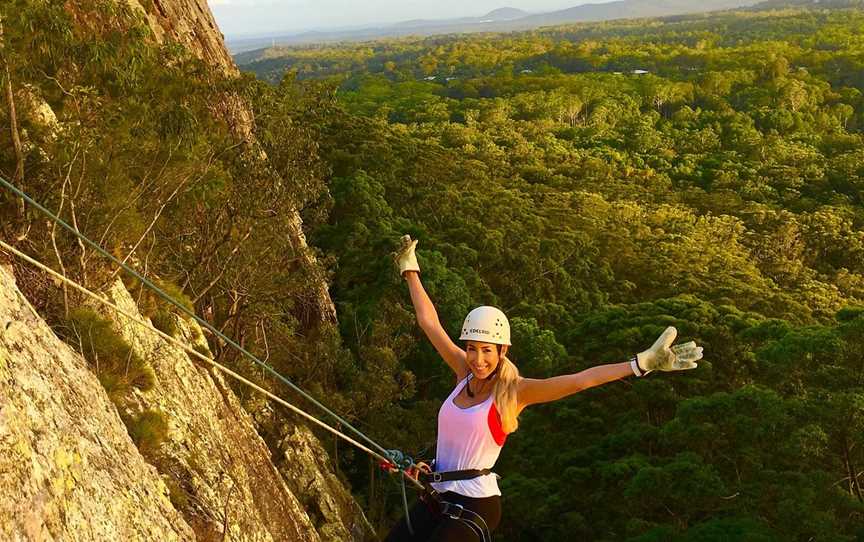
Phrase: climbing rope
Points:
(394, 457)
(191, 351)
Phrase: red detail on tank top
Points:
(494, 420)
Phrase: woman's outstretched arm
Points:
(427, 318)
(662, 356)
(532, 391)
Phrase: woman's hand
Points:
(662, 356)
(413, 471)
(420, 466)
(405, 258)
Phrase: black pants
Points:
(431, 526)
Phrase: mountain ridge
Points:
(506, 13)
(503, 19)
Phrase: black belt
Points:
(452, 476)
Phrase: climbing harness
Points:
(438, 506)
(452, 475)
(454, 511)
(472, 519)
(403, 462)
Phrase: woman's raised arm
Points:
(427, 316)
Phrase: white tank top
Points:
(469, 438)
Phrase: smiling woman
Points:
(462, 501)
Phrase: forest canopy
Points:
(600, 182)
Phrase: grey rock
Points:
(68, 469)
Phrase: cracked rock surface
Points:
(225, 482)
(68, 469)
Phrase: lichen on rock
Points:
(64, 453)
(217, 466)
(306, 467)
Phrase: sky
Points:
(249, 17)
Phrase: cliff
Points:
(65, 450)
(68, 469)
(68, 451)
(218, 459)
(224, 481)
(191, 23)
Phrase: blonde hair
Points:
(505, 394)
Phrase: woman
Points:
(482, 409)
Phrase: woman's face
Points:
(483, 357)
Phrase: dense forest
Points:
(597, 182)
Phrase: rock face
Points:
(191, 23)
(76, 474)
(68, 469)
(224, 481)
(66, 456)
(304, 465)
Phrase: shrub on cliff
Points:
(116, 365)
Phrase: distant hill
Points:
(775, 4)
(505, 14)
(497, 15)
(499, 20)
(631, 9)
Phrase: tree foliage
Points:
(598, 182)
(601, 182)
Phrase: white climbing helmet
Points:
(486, 324)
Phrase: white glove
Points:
(664, 357)
(405, 258)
